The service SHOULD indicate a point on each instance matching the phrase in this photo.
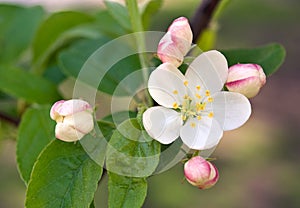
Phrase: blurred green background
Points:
(259, 162)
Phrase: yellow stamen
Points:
(186, 83)
(175, 105)
(198, 96)
(211, 114)
(199, 118)
(207, 93)
(175, 92)
(200, 106)
(210, 99)
(193, 125)
(198, 87)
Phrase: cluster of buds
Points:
(246, 79)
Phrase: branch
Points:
(9, 119)
(202, 17)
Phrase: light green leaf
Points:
(17, 28)
(131, 152)
(125, 191)
(151, 8)
(119, 13)
(270, 57)
(35, 132)
(207, 39)
(108, 25)
(63, 176)
(55, 32)
(22, 84)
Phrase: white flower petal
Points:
(209, 69)
(82, 121)
(70, 107)
(231, 109)
(200, 135)
(166, 85)
(162, 124)
(67, 133)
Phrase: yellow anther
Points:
(186, 83)
(200, 106)
(210, 99)
(198, 96)
(175, 92)
(198, 87)
(183, 117)
(193, 125)
(175, 105)
(211, 114)
(199, 118)
(207, 93)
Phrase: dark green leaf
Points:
(152, 7)
(119, 13)
(73, 59)
(56, 31)
(131, 152)
(63, 176)
(35, 132)
(30, 87)
(270, 57)
(17, 27)
(125, 191)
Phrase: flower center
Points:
(195, 105)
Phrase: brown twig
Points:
(202, 17)
(9, 119)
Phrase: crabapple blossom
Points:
(246, 79)
(74, 119)
(193, 106)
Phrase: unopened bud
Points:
(74, 119)
(200, 173)
(176, 43)
(246, 79)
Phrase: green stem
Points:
(137, 28)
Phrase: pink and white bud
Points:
(200, 173)
(73, 118)
(176, 43)
(246, 79)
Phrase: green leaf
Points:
(35, 132)
(73, 59)
(17, 28)
(207, 39)
(151, 8)
(125, 191)
(63, 176)
(108, 25)
(30, 87)
(56, 31)
(270, 57)
(131, 152)
(119, 13)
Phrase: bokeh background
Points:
(259, 163)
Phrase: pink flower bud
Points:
(246, 79)
(200, 173)
(74, 119)
(175, 44)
